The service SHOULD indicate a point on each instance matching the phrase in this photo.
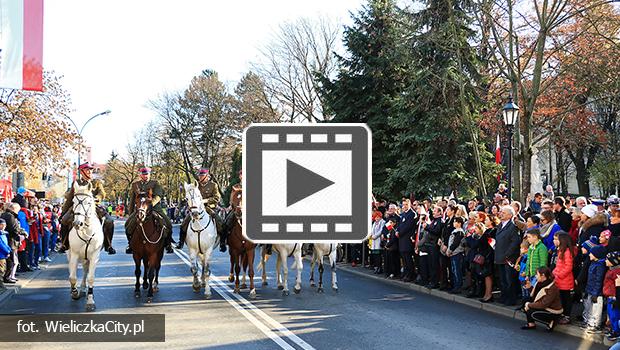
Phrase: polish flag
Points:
(21, 44)
(498, 156)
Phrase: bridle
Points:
(142, 215)
(86, 215)
(201, 215)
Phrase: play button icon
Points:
(302, 183)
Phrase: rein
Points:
(293, 251)
(85, 215)
(198, 232)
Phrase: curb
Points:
(23, 282)
(571, 330)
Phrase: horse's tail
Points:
(262, 261)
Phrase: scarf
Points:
(546, 228)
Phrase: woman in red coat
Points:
(563, 272)
(36, 230)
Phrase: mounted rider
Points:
(211, 196)
(98, 192)
(141, 186)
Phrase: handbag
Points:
(479, 259)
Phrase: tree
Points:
(236, 164)
(34, 130)
(289, 65)
(438, 137)
(368, 80)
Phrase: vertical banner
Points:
(21, 44)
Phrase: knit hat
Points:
(589, 244)
(599, 252)
(590, 210)
(614, 258)
(21, 190)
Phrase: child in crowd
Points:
(537, 255)
(521, 265)
(455, 252)
(609, 292)
(593, 300)
(563, 258)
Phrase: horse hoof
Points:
(285, 293)
(231, 278)
(265, 283)
(75, 294)
(312, 284)
(90, 307)
(280, 287)
(149, 300)
(196, 289)
(207, 295)
(203, 284)
(335, 289)
(244, 286)
(136, 294)
(320, 290)
(236, 291)
(145, 286)
(155, 289)
(253, 294)
(297, 290)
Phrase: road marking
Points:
(222, 289)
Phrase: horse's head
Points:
(237, 203)
(144, 203)
(194, 200)
(83, 205)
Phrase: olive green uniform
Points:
(96, 188)
(157, 194)
(211, 196)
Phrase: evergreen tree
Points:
(369, 78)
(233, 179)
(438, 107)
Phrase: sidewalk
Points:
(572, 330)
(24, 278)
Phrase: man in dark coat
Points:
(20, 198)
(446, 230)
(435, 230)
(507, 242)
(14, 232)
(392, 257)
(562, 216)
(405, 232)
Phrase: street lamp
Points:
(510, 113)
(80, 130)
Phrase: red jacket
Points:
(35, 228)
(609, 284)
(574, 231)
(563, 272)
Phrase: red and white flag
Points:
(498, 157)
(21, 44)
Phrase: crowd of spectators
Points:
(555, 258)
(29, 234)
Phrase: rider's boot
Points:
(182, 235)
(128, 250)
(223, 244)
(268, 249)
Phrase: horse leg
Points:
(73, 265)
(92, 266)
(313, 261)
(206, 273)
(237, 270)
(279, 273)
(85, 265)
(145, 282)
(138, 262)
(332, 263)
(193, 258)
(321, 269)
(285, 291)
(151, 274)
(299, 266)
(250, 267)
(231, 276)
(244, 266)
(263, 264)
(156, 283)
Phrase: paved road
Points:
(364, 314)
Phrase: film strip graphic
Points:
(262, 224)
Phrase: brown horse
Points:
(147, 243)
(241, 248)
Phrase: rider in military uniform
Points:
(96, 187)
(211, 196)
(144, 185)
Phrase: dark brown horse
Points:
(241, 248)
(147, 243)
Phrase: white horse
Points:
(319, 251)
(284, 251)
(201, 238)
(85, 240)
